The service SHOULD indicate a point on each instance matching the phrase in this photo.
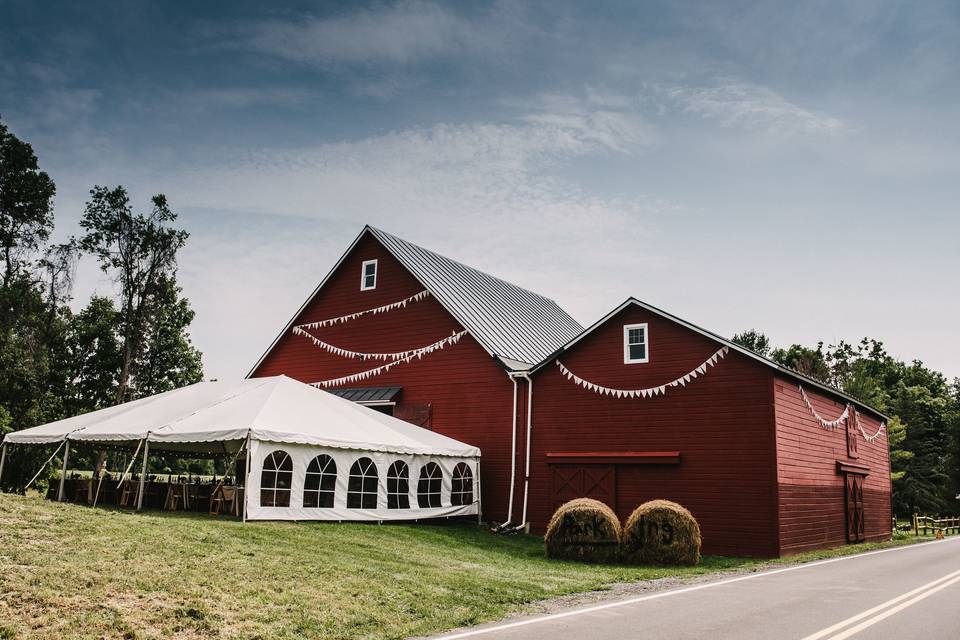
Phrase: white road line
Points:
(666, 594)
(886, 614)
(869, 612)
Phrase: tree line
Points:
(56, 363)
(923, 405)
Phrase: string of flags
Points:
(833, 424)
(682, 381)
(353, 316)
(369, 373)
(347, 353)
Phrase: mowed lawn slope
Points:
(68, 571)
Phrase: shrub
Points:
(661, 532)
(585, 530)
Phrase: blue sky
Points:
(793, 167)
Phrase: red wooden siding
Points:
(721, 423)
(469, 394)
(812, 506)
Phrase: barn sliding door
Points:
(854, 500)
(585, 481)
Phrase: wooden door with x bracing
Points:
(853, 483)
(585, 481)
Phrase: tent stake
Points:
(44, 466)
(63, 470)
(3, 457)
(143, 471)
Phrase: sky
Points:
(792, 167)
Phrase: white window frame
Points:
(626, 343)
(363, 275)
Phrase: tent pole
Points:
(3, 457)
(143, 470)
(246, 477)
(63, 471)
(479, 499)
(44, 466)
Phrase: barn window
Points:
(462, 490)
(275, 480)
(431, 482)
(368, 275)
(362, 485)
(635, 343)
(398, 486)
(321, 483)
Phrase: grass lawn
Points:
(72, 571)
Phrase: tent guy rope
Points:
(369, 373)
(650, 391)
(353, 316)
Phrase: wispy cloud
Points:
(401, 33)
(750, 106)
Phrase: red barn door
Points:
(854, 500)
(585, 481)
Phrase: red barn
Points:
(641, 405)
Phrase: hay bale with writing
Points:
(583, 529)
(661, 532)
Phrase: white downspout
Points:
(526, 473)
(513, 455)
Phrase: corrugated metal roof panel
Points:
(367, 394)
(509, 321)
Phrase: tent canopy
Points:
(207, 415)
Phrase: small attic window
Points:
(368, 275)
(635, 347)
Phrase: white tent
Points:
(311, 455)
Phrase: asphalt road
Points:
(905, 592)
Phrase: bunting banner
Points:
(682, 381)
(362, 355)
(823, 422)
(417, 297)
(833, 424)
(866, 436)
(369, 373)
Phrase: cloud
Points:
(403, 33)
(750, 106)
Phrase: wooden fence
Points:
(930, 525)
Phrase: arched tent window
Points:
(429, 487)
(320, 483)
(398, 486)
(362, 486)
(462, 490)
(275, 480)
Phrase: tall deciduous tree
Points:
(26, 204)
(168, 359)
(138, 251)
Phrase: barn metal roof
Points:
(365, 395)
(510, 322)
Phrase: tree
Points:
(810, 362)
(95, 356)
(753, 340)
(168, 360)
(26, 204)
(138, 250)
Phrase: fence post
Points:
(916, 526)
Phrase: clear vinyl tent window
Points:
(275, 480)
(320, 483)
(636, 348)
(398, 485)
(368, 275)
(462, 488)
(362, 485)
(430, 485)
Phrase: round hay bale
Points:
(583, 529)
(661, 532)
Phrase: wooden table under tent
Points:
(306, 453)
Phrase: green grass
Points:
(72, 571)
